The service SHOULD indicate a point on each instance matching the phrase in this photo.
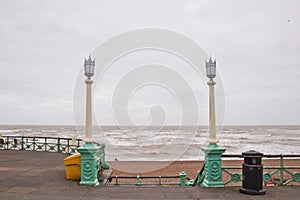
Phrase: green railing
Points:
(48, 144)
(181, 180)
(200, 176)
(280, 175)
(276, 175)
(100, 158)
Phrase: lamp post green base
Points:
(213, 166)
(89, 168)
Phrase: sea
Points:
(170, 143)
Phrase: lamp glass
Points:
(211, 69)
(89, 67)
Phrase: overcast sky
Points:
(43, 43)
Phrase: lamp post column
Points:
(88, 121)
(212, 117)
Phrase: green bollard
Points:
(182, 179)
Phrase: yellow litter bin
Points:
(73, 167)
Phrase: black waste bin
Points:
(252, 182)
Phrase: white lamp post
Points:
(213, 153)
(89, 67)
(90, 153)
(211, 73)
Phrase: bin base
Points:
(252, 192)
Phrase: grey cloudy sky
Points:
(256, 44)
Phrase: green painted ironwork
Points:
(200, 176)
(182, 179)
(159, 180)
(58, 145)
(89, 164)
(277, 176)
(100, 156)
(191, 183)
(213, 166)
(92, 162)
(34, 143)
(138, 180)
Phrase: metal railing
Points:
(280, 175)
(277, 175)
(181, 180)
(200, 176)
(48, 144)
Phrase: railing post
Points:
(182, 179)
(7, 142)
(138, 183)
(58, 145)
(117, 181)
(199, 178)
(159, 180)
(33, 143)
(68, 146)
(104, 164)
(22, 143)
(281, 169)
(45, 143)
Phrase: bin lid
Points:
(252, 153)
(72, 159)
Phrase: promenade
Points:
(41, 175)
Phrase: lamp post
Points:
(88, 160)
(211, 74)
(213, 153)
(89, 67)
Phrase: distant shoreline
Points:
(171, 143)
